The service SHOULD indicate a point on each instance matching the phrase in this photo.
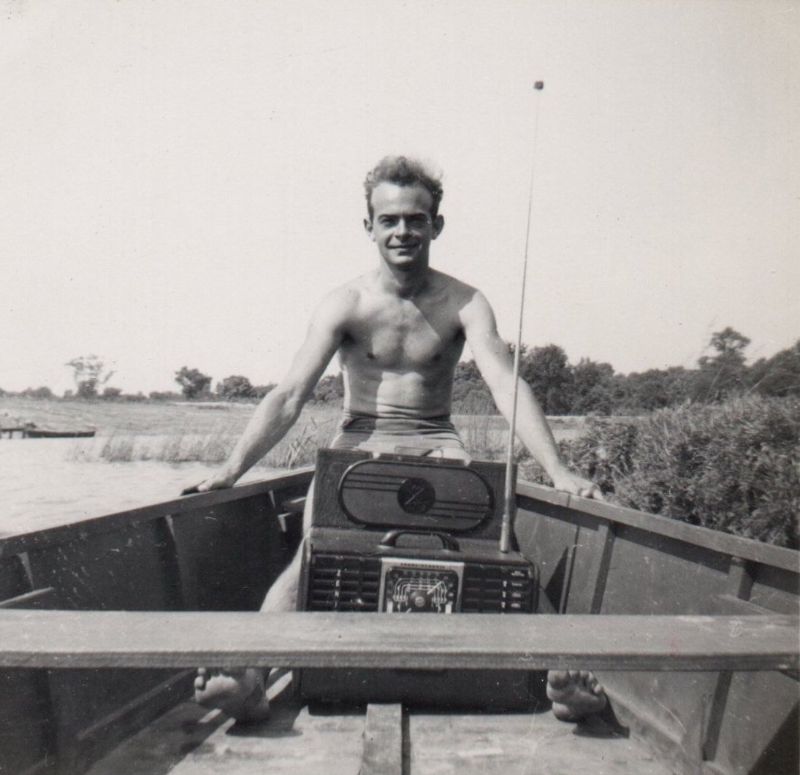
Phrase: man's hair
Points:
(403, 171)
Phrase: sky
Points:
(181, 182)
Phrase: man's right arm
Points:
(281, 407)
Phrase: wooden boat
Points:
(694, 634)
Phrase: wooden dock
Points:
(30, 431)
(11, 431)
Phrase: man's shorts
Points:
(435, 436)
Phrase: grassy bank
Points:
(178, 432)
(146, 418)
(733, 466)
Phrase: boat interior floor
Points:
(190, 740)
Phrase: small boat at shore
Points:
(50, 433)
(31, 431)
(693, 633)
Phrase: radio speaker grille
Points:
(497, 589)
(343, 583)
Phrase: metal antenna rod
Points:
(509, 501)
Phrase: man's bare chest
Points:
(404, 336)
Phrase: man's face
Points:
(402, 225)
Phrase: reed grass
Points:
(485, 436)
(733, 466)
(297, 448)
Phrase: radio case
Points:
(400, 534)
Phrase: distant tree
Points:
(329, 389)
(471, 394)
(259, 391)
(653, 389)
(730, 345)
(235, 386)
(778, 375)
(547, 371)
(192, 381)
(592, 387)
(90, 372)
(723, 373)
(112, 392)
(40, 392)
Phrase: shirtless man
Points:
(399, 331)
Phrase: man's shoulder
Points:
(460, 293)
(345, 296)
(452, 284)
(337, 306)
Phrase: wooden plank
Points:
(725, 543)
(37, 539)
(740, 578)
(715, 716)
(569, 570)
(340, 640)
(607, 533)
(471, 743)
(383, 740)
(188, 740)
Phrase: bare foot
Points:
(575, 694)
(238, 694)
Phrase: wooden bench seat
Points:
(105, 639)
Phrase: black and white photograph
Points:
(318, 312)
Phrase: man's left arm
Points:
(495, 364)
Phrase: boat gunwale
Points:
(704, 537)
(15, 543)
(724, 543)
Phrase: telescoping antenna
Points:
(509, 501)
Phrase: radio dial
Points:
(416, 496)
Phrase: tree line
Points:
(195, 384)
(585, 387)
(591, 387)
(561, 387)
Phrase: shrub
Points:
(164, 395)
(733, 466)
(40, 392)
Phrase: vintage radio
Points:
(402, 534)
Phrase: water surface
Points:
(45, 482)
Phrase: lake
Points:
(45, 482)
